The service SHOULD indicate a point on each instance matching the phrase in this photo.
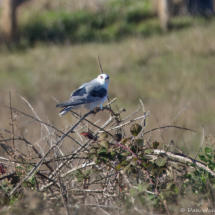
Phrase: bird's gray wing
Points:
(82, 89)
(86, 93)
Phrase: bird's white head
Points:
(103, 79)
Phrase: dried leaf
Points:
(135, 129)
(103, 136)
(117, 137)
(126, 168)
(104, 144)
(134, 192)
(140, 142)
(97, 161)
(142, 187)
(161, 196)
(170, 186)
(2, 169)
(96, 146)
(124, 140)
(148, 151)
(88, 135)
(92, 151)
(118, 167)
(124, 163)
(161, 161)
(155, 145)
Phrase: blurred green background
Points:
(57, 50)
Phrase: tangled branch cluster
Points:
(109, 171)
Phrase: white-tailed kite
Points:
(89, 95)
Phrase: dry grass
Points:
(166, 72)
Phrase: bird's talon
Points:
(96, 110)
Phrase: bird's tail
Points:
(65, 110)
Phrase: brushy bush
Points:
(107, 170)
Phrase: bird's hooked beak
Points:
(107, 80)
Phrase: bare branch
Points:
(182, 159)
(185, 108)
(12, 121)
(100, 66)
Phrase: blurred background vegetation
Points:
(159, 51)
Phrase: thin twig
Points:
(126, 123)
(144, 112)
(61, 194)
(32, 172)
(185, 108)
(131, 115)
(93, 124)
(184, 145)
(37, 118)
(12, 121)
(43, 123)
(160, 131)
(202, 142)
(100, 66)
(69, 172)
(170, 126)
(32, 146)
(86, 144)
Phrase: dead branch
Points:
(181, 159)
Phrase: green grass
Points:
(117, 20)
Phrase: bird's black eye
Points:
(101, 77)
(107, 77)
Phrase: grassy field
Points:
(165, 71)
(58, 50)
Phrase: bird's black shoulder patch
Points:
(99, 93)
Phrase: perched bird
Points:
(89, 95)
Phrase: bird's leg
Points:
(101, 107)
(96, 110)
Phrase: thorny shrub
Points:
(111, 171)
